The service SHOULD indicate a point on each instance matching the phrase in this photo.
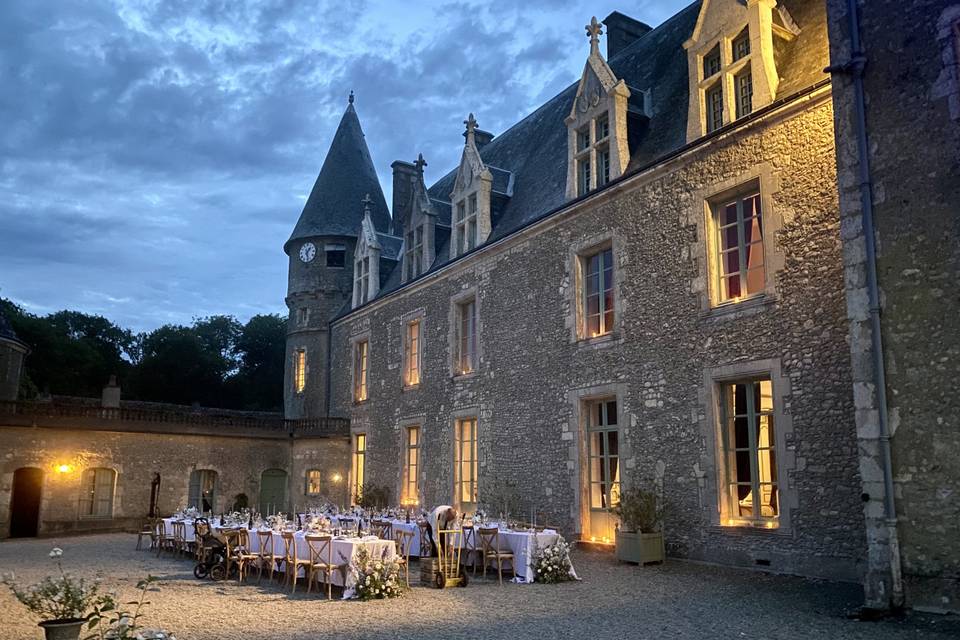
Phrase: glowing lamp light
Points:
(336, 477)
(64, 468)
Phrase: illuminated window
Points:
(749, 494)
(313, 482)
(203, 490)
(96, 493)
(359, 464)
(299, 370)
(411, 465)
(360, 362)
(597, 305)
(741, 45)
(603, 444)
(465, 463)
(740, 259)
(743, 85)
(466, 360)
(411, 354)
(714, 102)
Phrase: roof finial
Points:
(594, 30)
(420, 163)
(350, 99)
(367, 201)
(471, 123)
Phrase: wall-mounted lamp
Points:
(64, 468)
(336, 477)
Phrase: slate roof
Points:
(334, 207)
(532, 154)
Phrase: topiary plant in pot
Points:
(640, 535)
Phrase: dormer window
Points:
(471, 197)
(741, 46)
(465, 226)
(743, 88)
(366, 262)
(714, 101)
(603, 128)
(711, 62)
(414, 252)
(362, 280)
(419, 225)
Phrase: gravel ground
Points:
(677, 600)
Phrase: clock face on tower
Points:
(307, 252)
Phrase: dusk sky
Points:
(154, 156)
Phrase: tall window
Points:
(741, 45)
(96, 493)
(598, 306)
(362, 279)
(739, 226)
(714, 103)
(749, 453)
(359, 464)
(411, 465)
(465, 227)
(414, 251)
(203, 490)
(411, 354)
(299, 370)
(743, 85)
(465, 462)
(583, 174)
(360, 362)
(727, 82)
(313, 482)
(466, 337)
(603, 444)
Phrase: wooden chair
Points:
(164, 539)
(321, 561)
(179, 537)
(470, 548)
(425, 549)
(490, 545)
(404, 540)
(383, 529)
(267, 556)
(148, 528)
(291, 563)
(242, 556)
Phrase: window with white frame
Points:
(313, 482)
(299, 370)
(465, 225)
(410, 492)
(465, 463)
(738, 221)
(466, 347)
(359, 466)
(749, 493)
(96, 493)
(593, 154)
(411, 354)
(360, 365)
(597, 297)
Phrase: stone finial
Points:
(350, 98)
(367, 201)
(471, 124)
(594, 31)
(420, 163)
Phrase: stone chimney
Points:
(110, 398)
(404, 175)
(480, 137)
(622, 31)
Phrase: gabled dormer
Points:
(597, 149)
(730, 56)
(366, 260)
(419, 233)
(471, 220)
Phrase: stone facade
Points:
(912, 109)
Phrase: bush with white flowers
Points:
(376, 578)
(60, 597)
(551, 563)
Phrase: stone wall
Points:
(913, 124)
(533, 373)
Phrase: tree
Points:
(260, 347)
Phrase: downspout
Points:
(855, 69)
(328, 385)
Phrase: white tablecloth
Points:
(523, 545)
(188, 533)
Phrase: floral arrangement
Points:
(111, 623)
(277, 522)
(376, 578)
(552, 563)
(317, 523)
(59, 598)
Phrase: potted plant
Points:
(63, 603)
(110, 622)
(640, 534)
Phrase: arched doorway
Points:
(25, 502)
(273, 491)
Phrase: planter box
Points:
(641, 548)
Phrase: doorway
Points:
(25, 502)
(273, 491)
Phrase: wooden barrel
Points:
(428, 568)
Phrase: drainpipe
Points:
(855, 69)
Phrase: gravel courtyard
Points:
(678, 600)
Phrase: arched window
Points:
(96, 493)
(203, 490)
(313, 482)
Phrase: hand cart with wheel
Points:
(449, 572)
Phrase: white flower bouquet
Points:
(376, 578)
(551, 563)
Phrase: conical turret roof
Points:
(335, 206)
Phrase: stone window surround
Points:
(704, 250)
(295, 368)
(453, 337)
(355, 340)
(355, 453)
(577, 461)
(575, 263)
(710, 427)
(405, 320)
(472, 413)
(306, 482)
(403, 424)
(729, 69)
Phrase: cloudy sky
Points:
(155, 155)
